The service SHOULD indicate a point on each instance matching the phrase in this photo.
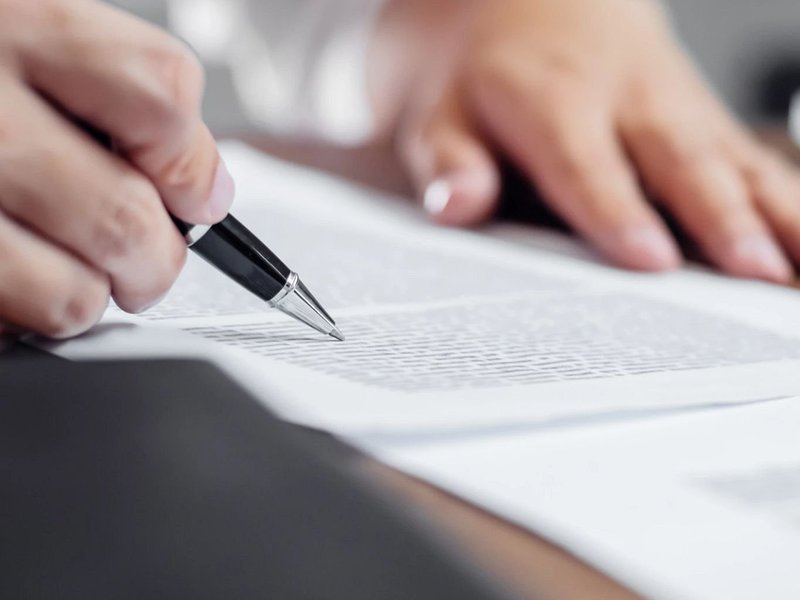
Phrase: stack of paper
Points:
(460, 340)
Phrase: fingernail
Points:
(222, 193)
(153, 303)
(651, 248)
(437, 197)
(464, 195)
(759, 256)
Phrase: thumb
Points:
(456, 177)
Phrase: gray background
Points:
(735, 42)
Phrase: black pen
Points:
(239, 254)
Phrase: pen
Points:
(238, 253)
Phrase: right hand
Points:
(79, 225)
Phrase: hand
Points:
(78, 224)
(597, 104)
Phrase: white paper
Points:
(452, 331)
(698, 506)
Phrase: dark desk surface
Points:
(528, 564)
(524, 563)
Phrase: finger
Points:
(569, 149)
(707, 194)
(44, 290)
(137, 84)
(457, 179)
(54, 180)
(775, 187)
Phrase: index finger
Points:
(139, 85)
(567, 145)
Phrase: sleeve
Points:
(299, 66)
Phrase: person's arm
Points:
(78, 224)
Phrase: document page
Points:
(701, 506)
(454, 331)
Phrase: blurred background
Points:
(749, 49)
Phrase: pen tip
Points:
(336, 334)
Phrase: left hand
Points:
(596, 102)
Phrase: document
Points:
(455, 332)
(511, 366)
(701, 506)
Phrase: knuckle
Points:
(176, 259)
(58, 20)
(694, 165)
(576, 156)
(562, 98)
(678, 145)
(76, 310)
(173, 263)
(574, 160)
(680, 140)
(651, 126)
(166, 81)
(163, 270)
(18, 12)
(764, 164)
(563, 68)
(494, 79)
(160, 283)
(179, 80)
(504, 71)
(51, 160)
(763, 177)
(59, 14)
(488, 74)
(772, 179)
(553, 117)
(127, 227)
(180, 177)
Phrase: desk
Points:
(527, 564)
